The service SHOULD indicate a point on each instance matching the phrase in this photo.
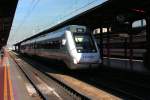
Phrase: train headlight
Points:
(79, 50)
(75, 61)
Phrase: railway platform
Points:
(13, 85)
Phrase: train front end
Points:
(83, 49)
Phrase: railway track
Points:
(125, 85)
(64, 90)
(48, 88)
(123, 89)
(131, 84)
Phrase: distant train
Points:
(72, 44)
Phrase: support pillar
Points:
(147, 54)
(130, 47)
(108, 47)
(101, 45)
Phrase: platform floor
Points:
(13, 84)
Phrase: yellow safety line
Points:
(5, 83)
(10, 83)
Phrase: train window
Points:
(97, 31)
(80, 30)
(104, 30)
(84, 43)
(51, 45)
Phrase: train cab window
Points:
(84, 43)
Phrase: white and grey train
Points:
(72, 44)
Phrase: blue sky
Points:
(33, 16)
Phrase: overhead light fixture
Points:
(138, 10)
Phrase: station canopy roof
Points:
(106, 14)
(7, 11)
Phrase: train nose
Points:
(86, 58)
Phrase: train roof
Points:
(55, 34)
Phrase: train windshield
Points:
(84, 43)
